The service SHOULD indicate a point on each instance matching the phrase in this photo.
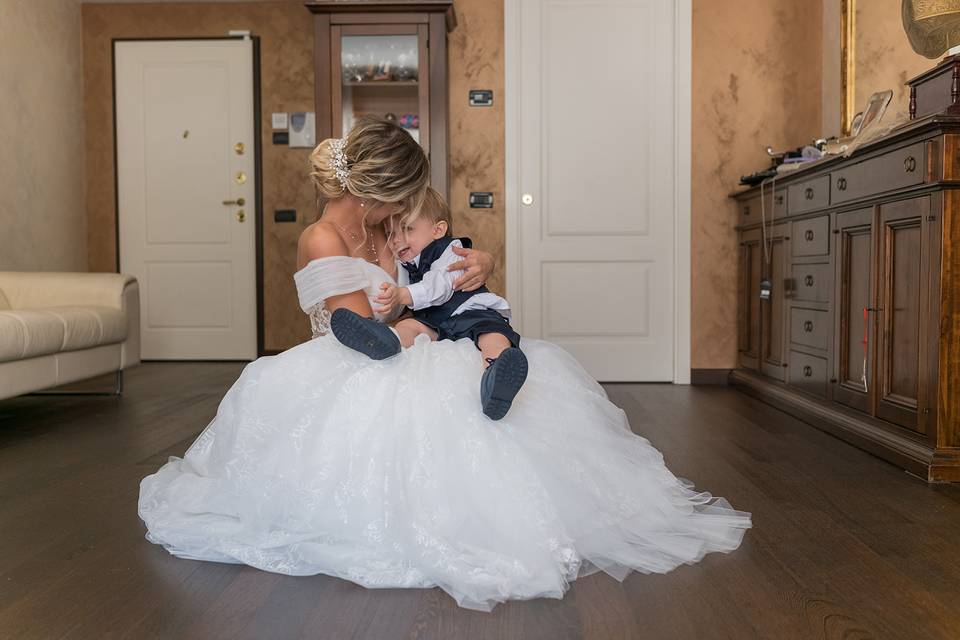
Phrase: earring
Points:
(363, 203)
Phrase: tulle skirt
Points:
(387, 474)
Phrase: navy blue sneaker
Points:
(502, 381)
(365, 335)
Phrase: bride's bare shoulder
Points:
(319, 240)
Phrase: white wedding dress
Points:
(388, 474)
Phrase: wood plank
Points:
(843, 545)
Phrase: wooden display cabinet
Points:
(860, 335)
(387, 59)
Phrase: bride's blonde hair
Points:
(380, 162)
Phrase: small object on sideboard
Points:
(936, 90)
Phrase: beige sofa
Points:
(57, 328)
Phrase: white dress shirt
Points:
(437, 286)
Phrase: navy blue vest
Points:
(433, 316)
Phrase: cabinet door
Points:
(773, 310)
(855, 287)
(748, 307)
(381, 69)
(903, 318)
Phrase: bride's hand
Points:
(477, 266)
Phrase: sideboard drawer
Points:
(897, 169)
(808, 373)
(811, 237)
(810, 327)
(812, 282)
(774, 206)
(809, 195)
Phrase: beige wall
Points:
(756, 82)
(757, 78)
(42, 216)
(287, 72)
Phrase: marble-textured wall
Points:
(287, 73)
(883, 57)
(756, 82)
(477, 133)
(42, 216)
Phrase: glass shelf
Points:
(380, 75)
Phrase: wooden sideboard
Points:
(860, 333)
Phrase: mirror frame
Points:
(848, 30)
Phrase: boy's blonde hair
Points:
(433, 207)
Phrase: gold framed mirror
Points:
(848, 52)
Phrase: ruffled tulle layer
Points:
(387, 474)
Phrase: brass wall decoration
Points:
(932, 26)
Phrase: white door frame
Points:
(683, 44)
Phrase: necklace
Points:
(372, 248)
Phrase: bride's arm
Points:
(477, 266)
(322, 241)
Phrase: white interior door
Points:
(184, 127)
(593, 152)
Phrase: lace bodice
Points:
(336, 275)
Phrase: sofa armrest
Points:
(42, 289)
(130, 348)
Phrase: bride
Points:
(386, 473)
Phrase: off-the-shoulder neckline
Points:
(307, 266)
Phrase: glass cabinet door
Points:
(381, 70)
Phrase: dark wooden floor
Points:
(844, 545)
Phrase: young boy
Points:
(423, 248)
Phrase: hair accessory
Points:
(339, 160)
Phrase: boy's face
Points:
(408, 240)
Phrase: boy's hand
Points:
(391, 295)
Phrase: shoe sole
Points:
(351, 330)
(511, 373)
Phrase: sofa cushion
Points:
(90, 326)
(25, 334)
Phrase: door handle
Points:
(239, 202)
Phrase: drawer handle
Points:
(808, 280)
(841, 184)
(808, 235)
(808, 193)
(746, 210)
(807, 371)
(808, 326)
(909, 164)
